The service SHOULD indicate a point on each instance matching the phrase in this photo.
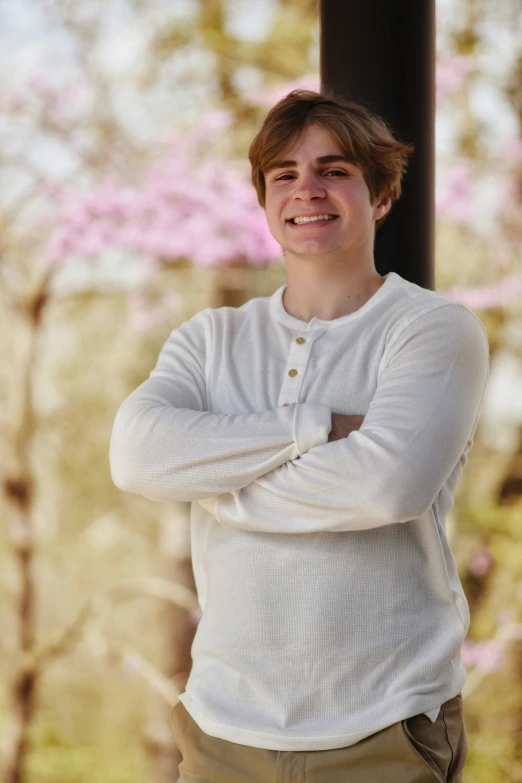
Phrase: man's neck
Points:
(328, 299)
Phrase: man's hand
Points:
(342, 425)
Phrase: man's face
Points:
(311, 179)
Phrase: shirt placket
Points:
(298, 356)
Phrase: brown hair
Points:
(363, 136)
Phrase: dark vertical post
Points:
(382, 54)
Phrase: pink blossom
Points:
(204, 210)
(41, 88)
(487, 656)
(512, 151)
(467, 653)
(494, 295)
(143, 317)
(455, 202)
(37, 93)
(60, 246)
(450, 73)
(481, 562)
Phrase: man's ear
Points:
(382, 206)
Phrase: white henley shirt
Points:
(331, 603)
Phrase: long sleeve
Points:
(166, 445)
(418, 428)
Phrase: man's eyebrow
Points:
(335, 159)
(286, 164)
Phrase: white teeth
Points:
(312, 219)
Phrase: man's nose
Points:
(309, 186)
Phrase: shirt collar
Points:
(278, 312)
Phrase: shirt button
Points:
(292, 373)
(286, 403)
(300, 340)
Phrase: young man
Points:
(320, 434)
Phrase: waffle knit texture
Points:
(331, 603)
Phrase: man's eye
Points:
(337, 172)
(283, 176)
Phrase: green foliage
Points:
(54, 762)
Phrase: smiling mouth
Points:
(301, 220)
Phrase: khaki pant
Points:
(414, 750)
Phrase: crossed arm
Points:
(166, 444)
(418, 429)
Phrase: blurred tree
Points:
(145, 107)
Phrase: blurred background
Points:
(125, 208)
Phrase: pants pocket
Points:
(442, 745)
(427, 751)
